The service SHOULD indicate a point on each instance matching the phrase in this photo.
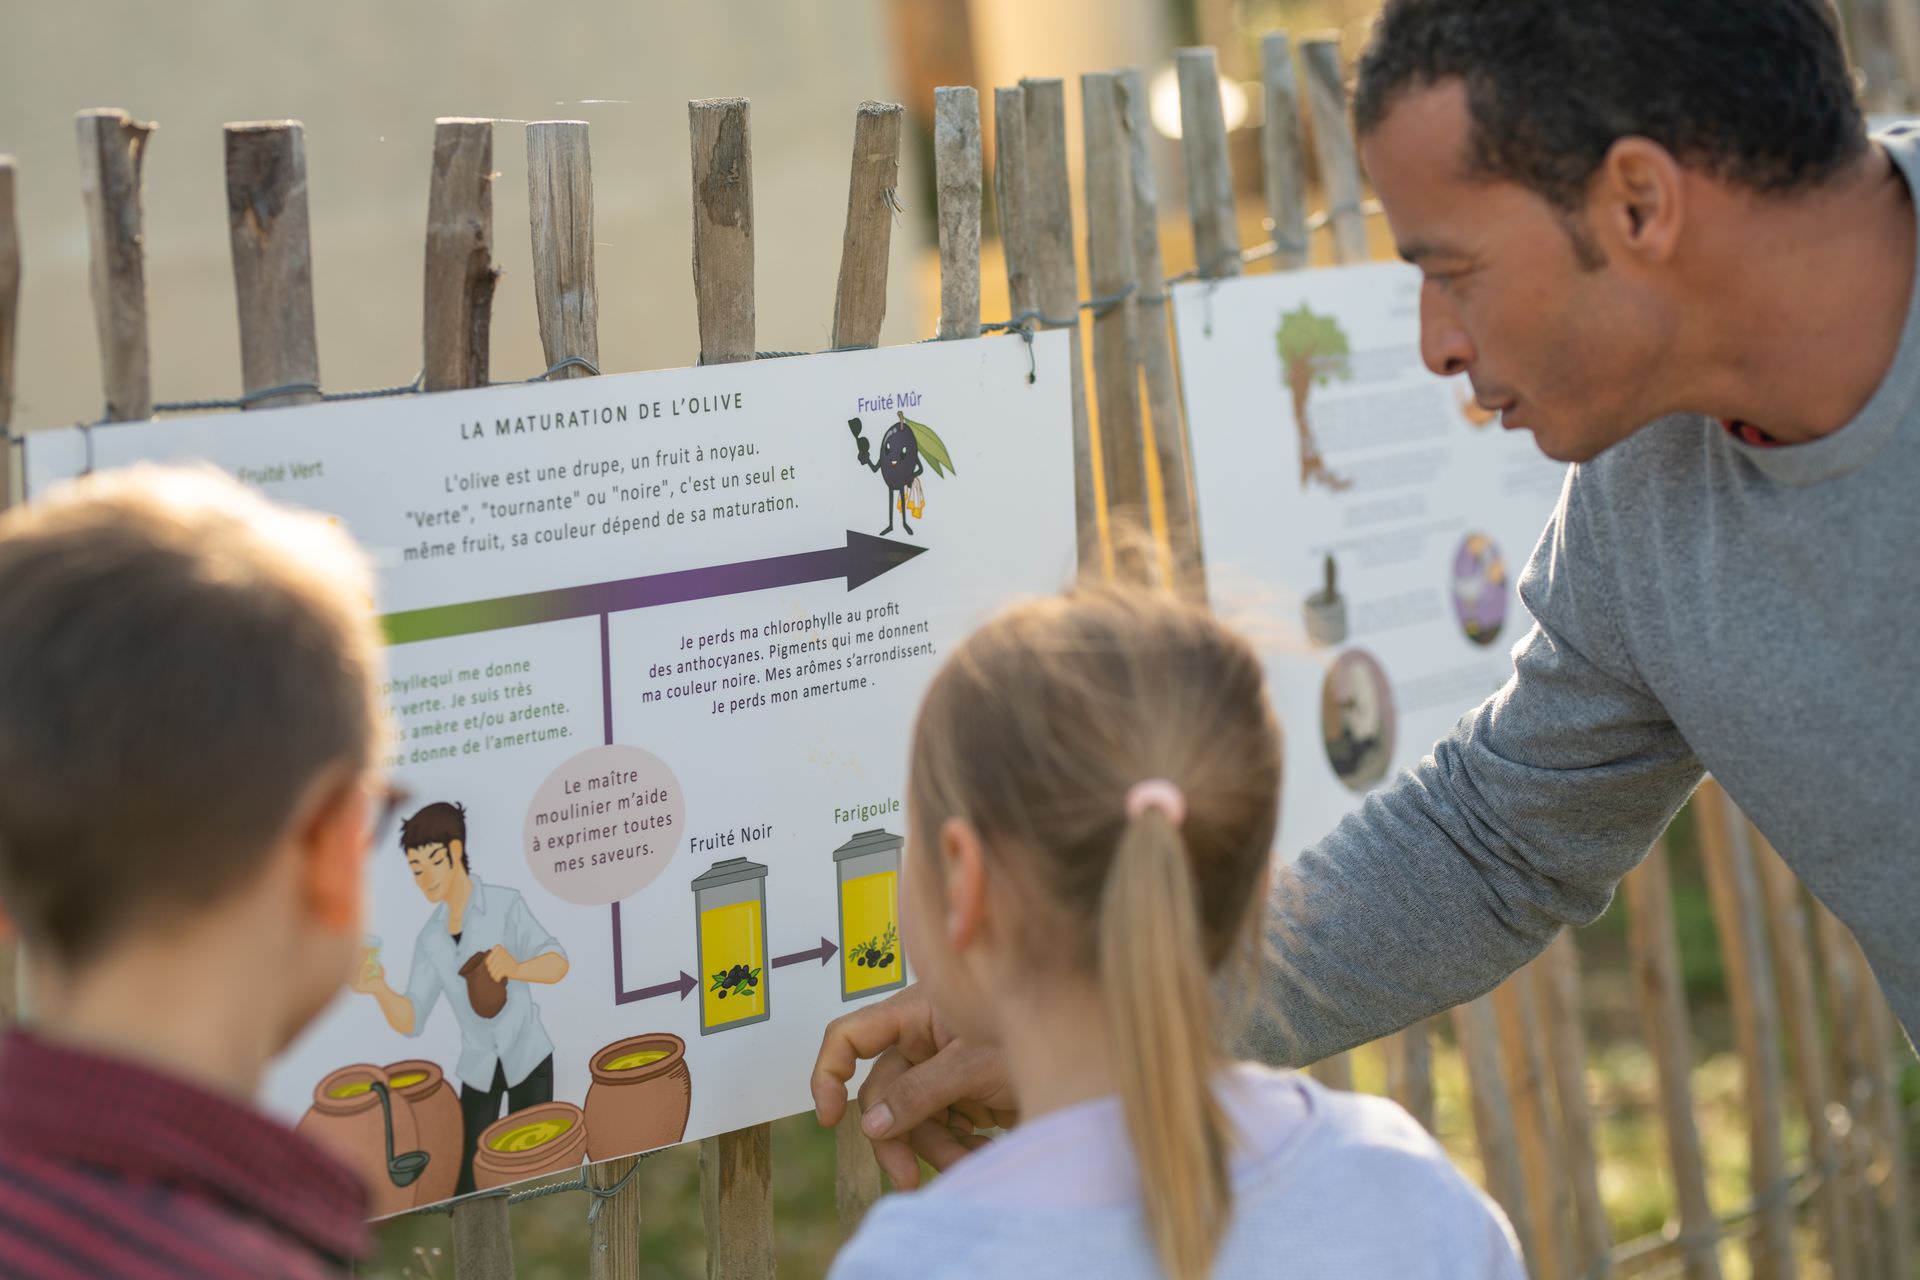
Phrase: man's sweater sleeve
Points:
(1520, 821)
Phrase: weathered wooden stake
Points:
(566, 295)
(1153, 347)
(9, 325)
(1793, 968)
(456, 321)
(1542, 1157)
(860, 307)
(1864, 1028)
(1047, 223)
(957, 179)
(736, 1169)
(1113, 280)
(856, 1174)
(1285, 150)
(1010, 197)
(272, 261)
(10, 969)
(1333, 138)
(860, 301)
(1558, 983)
(1852, 1090)
(736, 1203)
(112, 146)
(560, 211)
(457, 317)
(482, 1240)
(1409, 1055)
(722, 142)
(1475, 1027)
(1203, 143)
(1887, 1122)
(1655, 954)
(1737, 912)
(1335, 1072)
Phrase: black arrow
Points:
(863, 559)
(822, 953)
(685, 983)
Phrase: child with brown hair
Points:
(188, 787)
(1092, 803)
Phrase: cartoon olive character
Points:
(906, 450)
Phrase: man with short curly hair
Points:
(1656, 235)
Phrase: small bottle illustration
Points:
(868, 870)
(730, 931)
(1326, 609)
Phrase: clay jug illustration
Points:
(436, 1116)
(347, 1118)
(550, 1137)
(639, 1097)
(487, 993)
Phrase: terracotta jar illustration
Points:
(487, 993)
(436, 1117)
(639, 1097)
(346, 1118)
(548, 1138)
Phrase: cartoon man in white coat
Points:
(481, 948)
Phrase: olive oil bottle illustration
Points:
(730, 932)
(868, 870)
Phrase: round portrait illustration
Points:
(1480, 588)
(1357, 719)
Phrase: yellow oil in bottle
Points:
(870, 915)
(729, 938)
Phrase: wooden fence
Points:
(1812, 1030)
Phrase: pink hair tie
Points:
(1157, 793)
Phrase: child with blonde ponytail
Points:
(1093, 797)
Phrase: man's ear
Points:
(963, 868)
(456, 850)
(331, 844)
(1635, 202)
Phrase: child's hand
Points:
(927, 1091)
(501, 965)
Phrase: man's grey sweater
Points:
(1701, 603)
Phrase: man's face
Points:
(434, 867)
(1563, 349)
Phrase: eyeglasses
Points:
(391, 799)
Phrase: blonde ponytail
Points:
(1152, 965)
(1116, 752)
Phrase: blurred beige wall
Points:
(1068, 38)
(368, 79)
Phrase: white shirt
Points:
(1324, 1184)
(513, 1038)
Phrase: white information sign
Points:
(1361, 515)
(656, 642)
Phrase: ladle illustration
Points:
(408, 1165)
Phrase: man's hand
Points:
(368, 979)
(927, 1094)
(501, 965)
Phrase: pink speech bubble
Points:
(604, 824)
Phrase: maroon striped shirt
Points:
(108, 1169)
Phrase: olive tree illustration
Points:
(1313, 351)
